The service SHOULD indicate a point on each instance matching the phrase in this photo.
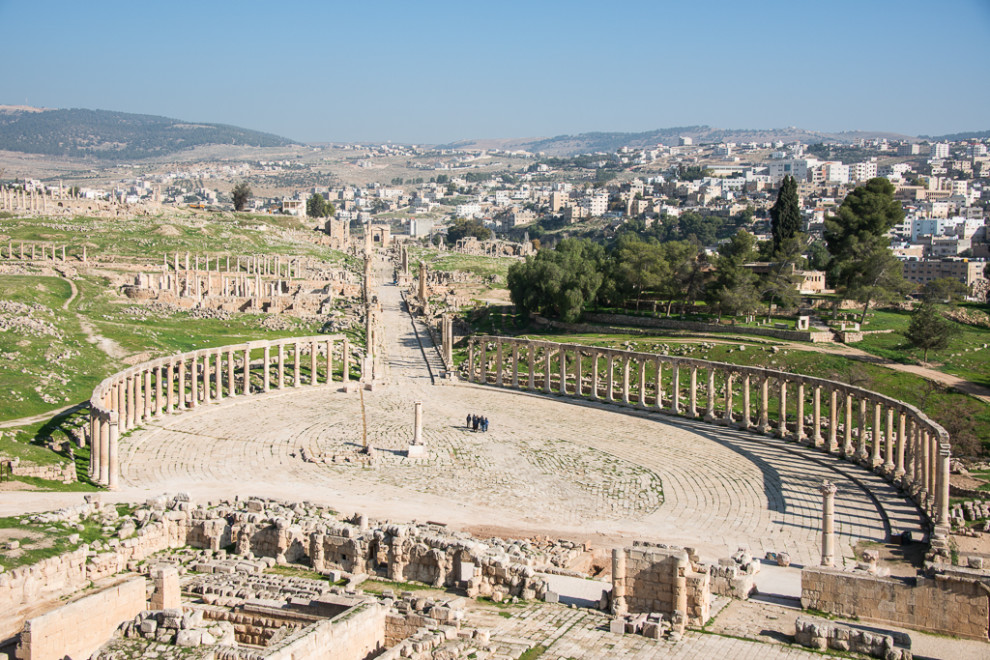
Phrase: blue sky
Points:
(442, 71)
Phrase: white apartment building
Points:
(470, 210)
(795, 167)
(940, 150)
(863, 171)
(598, 204)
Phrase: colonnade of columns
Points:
(179, 382)
(36, 250)
(888, 436)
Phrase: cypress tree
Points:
(785, 214)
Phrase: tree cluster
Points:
(464, 227)
(318, 207)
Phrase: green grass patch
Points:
(533, 653)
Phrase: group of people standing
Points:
(477, 422)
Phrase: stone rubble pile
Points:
(823, 635)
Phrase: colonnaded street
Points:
(546, 466)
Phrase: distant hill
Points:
(569, 145)
(955, 137)
(112, 135)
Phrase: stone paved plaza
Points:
(546, 466)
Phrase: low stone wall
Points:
(947, 605)
(662, 580)
(64, 472)
(78, 629)
(27, 586)
(357, 633)
(822, 635)
(695, 326)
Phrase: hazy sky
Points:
(441, 71)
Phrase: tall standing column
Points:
(418, 429)
(194, 381)
(206, 379)
(531, 365)
(888, 463)
(675, 389)
(901, 442)
(926, 475)
(498, 364)
(159, 393)
(266, 366)
(802, 437)
(182, 383)
(875, 459)
(131, 401)
(231, 387)
(847, 447)
(833, 421)
(471, 375)
(94, 441)
(247, 370)
(546, 369)
(828, 523)
(103, 467)
(170, 385)
(747, 421)
(710, 398)
(727, 415)
(693, 401)
(112, 466)
(594, 375)
(610, 377)
(816, 416)
(345, 361)
(942, 518)
(625, 379)
(313, 373)
(515, 365)
(296, 373)
(149, 398)
(562, 366)
(642, 383)
(861, 453)
(782, 424)
(281, 366)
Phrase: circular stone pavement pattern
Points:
(546, 466)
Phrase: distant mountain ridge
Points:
(109, 135)
(569, 145)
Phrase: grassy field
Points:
(447, 261)
(202, 233)
(966, 356)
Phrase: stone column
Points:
(247, 370)
(112, 466)
(531, 364)
(833, 421)
(296, 374)
(710, 402)
(103, 468)
(470, 361)
(546, 370)
(901, 442)
(861, 453)
(170, 385)
(483, 359)
(802, 437)
(727, 415)
(594, 375)
(693, 402)
(642, 383)
(94, 445)
(281, 366)
(747, 421)
(658, 364)
(345, 362)
(926, 474)
(828, 523)
(610, 377)
(159, 394)
(816, 417)
(911, 450)
(231, 388)
(182, 383)
(625, 379)
(782, 424)
(942, 518)
(875, 459)
(619, 606)
(266, 386)
(206, 378)
(515, 365)
(329, 363)
(313, 374)
(131, 401)
(418, 428)
(562, 364)
(847, 447)
(888, 463)
(498, 364)
(675, 389)
(194, 381)
(218, 374)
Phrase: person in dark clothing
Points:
(468, 423)
(474, 422)
(484, 425)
